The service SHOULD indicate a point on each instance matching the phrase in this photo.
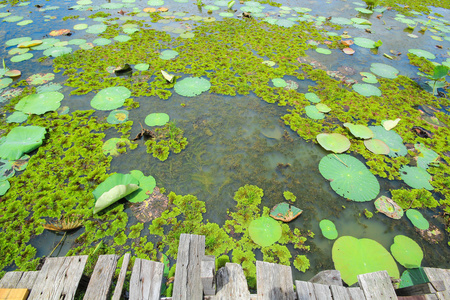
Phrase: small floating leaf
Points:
(416, 177)
(157, 119)
(334, 142)
(264, 231)
(388, 207)
(407, 252)
(389, 124)
(328, 229)
(285, 212)
(377, 146)
(417, 219)
(366, 89)
(359, 131)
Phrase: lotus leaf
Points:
(284, 212)
(412, 277)
(15, 51)
(359, 131)
(81, 26)
(13, 73)
(168, 54)
(4, 187)
(77, 41)
(146, 186)
(353, 257)
(187, 35)
(272, 132)
(110, 98)
(157, 119)
(114, 188)
(416, 177)
(49, 87)
(312, 97)
(328, 229)
(388, 207)
(57, 51)
(426, 156)
(334, 142)
(40, 103)
(364, 10)
(279, 82)
(40, 78)
(389, 124)
(361, 21)
(16, 41)
(349, 177)
(101, 41)
(110, 146)
(192, 86)
(323, 108)
(323, 51)
(4, 82)
(142, 67)
(9, 167)
(117, 117)
(151, 208)
(122, 38)
(368, 77)
(21, 140)
(407, 252)
(377, 146)
(287, 24)
(28, 44)
(264, 231)
(96, 29)
(384, 70)
(392, 139)
(17, 117)
(313, 112)
(365, 43)
(21, 57)
(422, 53)
(12, 19)
(155, 2)
(417, 219)
(366, 89)
(46, 43)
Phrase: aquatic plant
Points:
(167, 138)
(407, 252)
(21, 140)
(439, 73)
(328, 229)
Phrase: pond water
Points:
(242, 139)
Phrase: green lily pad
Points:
(4, 82)
(111, 146)
(359, 131)
(114, 188)
(323, 51)
(21, 57)
(264, 231)
(417, 219)
(57, 51)
(110, 98)
(388, 207)
(366, 89)
(352, 257)
(368, 77)
(142, 67)
(384, 70)
(96, 29)
(341, 21)
(146, 186)
(361, 21)
(364, 42)
(40, 78)
(364, 10)
(284, 212)
(422, 53)
(168, 54)
(17, 41)
(122, 38)
(279, 82)
(313, 112)
(407, 252)
(392, 139)
(334, 142)
(21, 140)
(349, 177)
(81, 26)
(117, 116)
(412, 277)
(416, 177)
(101, 41)
(157, 119)
(12, 19)
(4, 187)
(41, 103)
(377, 146)
(426, 156)
(192, 86)
(328, 229)
(323, 108)
(77, 42)
(155, 2)
(17, 117)
(312, 97)
(187, 35)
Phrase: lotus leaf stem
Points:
(64, 236)
(340, 160)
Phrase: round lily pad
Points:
(422, 53)
(364, 42)
(349, 177)
(377, 146)
(323, 108)
(4, 187)
(323, 51)
(28, 44)
(57, 51)
(157, 119)
(313, 112)
(20, 140)
(122, 38)
(16, 41)
(4, 82)
(279, 82)
(341, 21)
(96, 29)
(312, 97)
(17, 117)
(366, 89)
(407, 252)
(110, 98)
(146, 186)
(416, 177)
(21, 57)
(392, 139)
(359, 131)
(285, 212)
(368, 77)
(168, 54)
(388, 207)
(142, 67)
(364, 10)
(12, 19)
(101, 41)
(417, 219)
(40, 103)
(117, 116)
(328, 229)
(264, 231)
(192, 86)
(384, 70)
(334, 142)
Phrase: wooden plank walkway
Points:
(196, 278)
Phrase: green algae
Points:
(167, 138)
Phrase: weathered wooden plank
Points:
(418, 289)
(305, 290)
(322, 291)
(208, 269)
(101, 277)
(231, 283)
(377, 285)
(121, 279)
(356, 293)
(339, 292)
(58, 278)
(328, 277)
(187, 284)
(146, 278)
(27, 280)
(10, 280)
(274, 281)
(435, 275)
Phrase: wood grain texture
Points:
(101, 278)
(322, 291)
(329, 277)
(274, 281)
(27, 280)
(231, 283)
(356, 293)
(10, 280)
(187, 283)
(123, 273)
(435, 275)
(305, 290)
(377, 285)
(208, 270)
(58, 278)
(146, 278)
(339, 292)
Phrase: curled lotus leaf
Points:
(151, 208)
(407, 252)
(21, 140)
(328, 229)
(13, 73)
(59, 32)
(352, 257)
(334, 142)
(359, 131)
(377, 146)
(388, 207)
(110, 98)
(364, 42)
(349, 177)
(425, 157)
(417, 219)
(412, 277)
(389, 124)
(40, 103)
(146, 186)
(192, 86)
(28, 44)
(416, 177)
(285, 212)
(264, 231)
(392, 139)
(157, 119)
